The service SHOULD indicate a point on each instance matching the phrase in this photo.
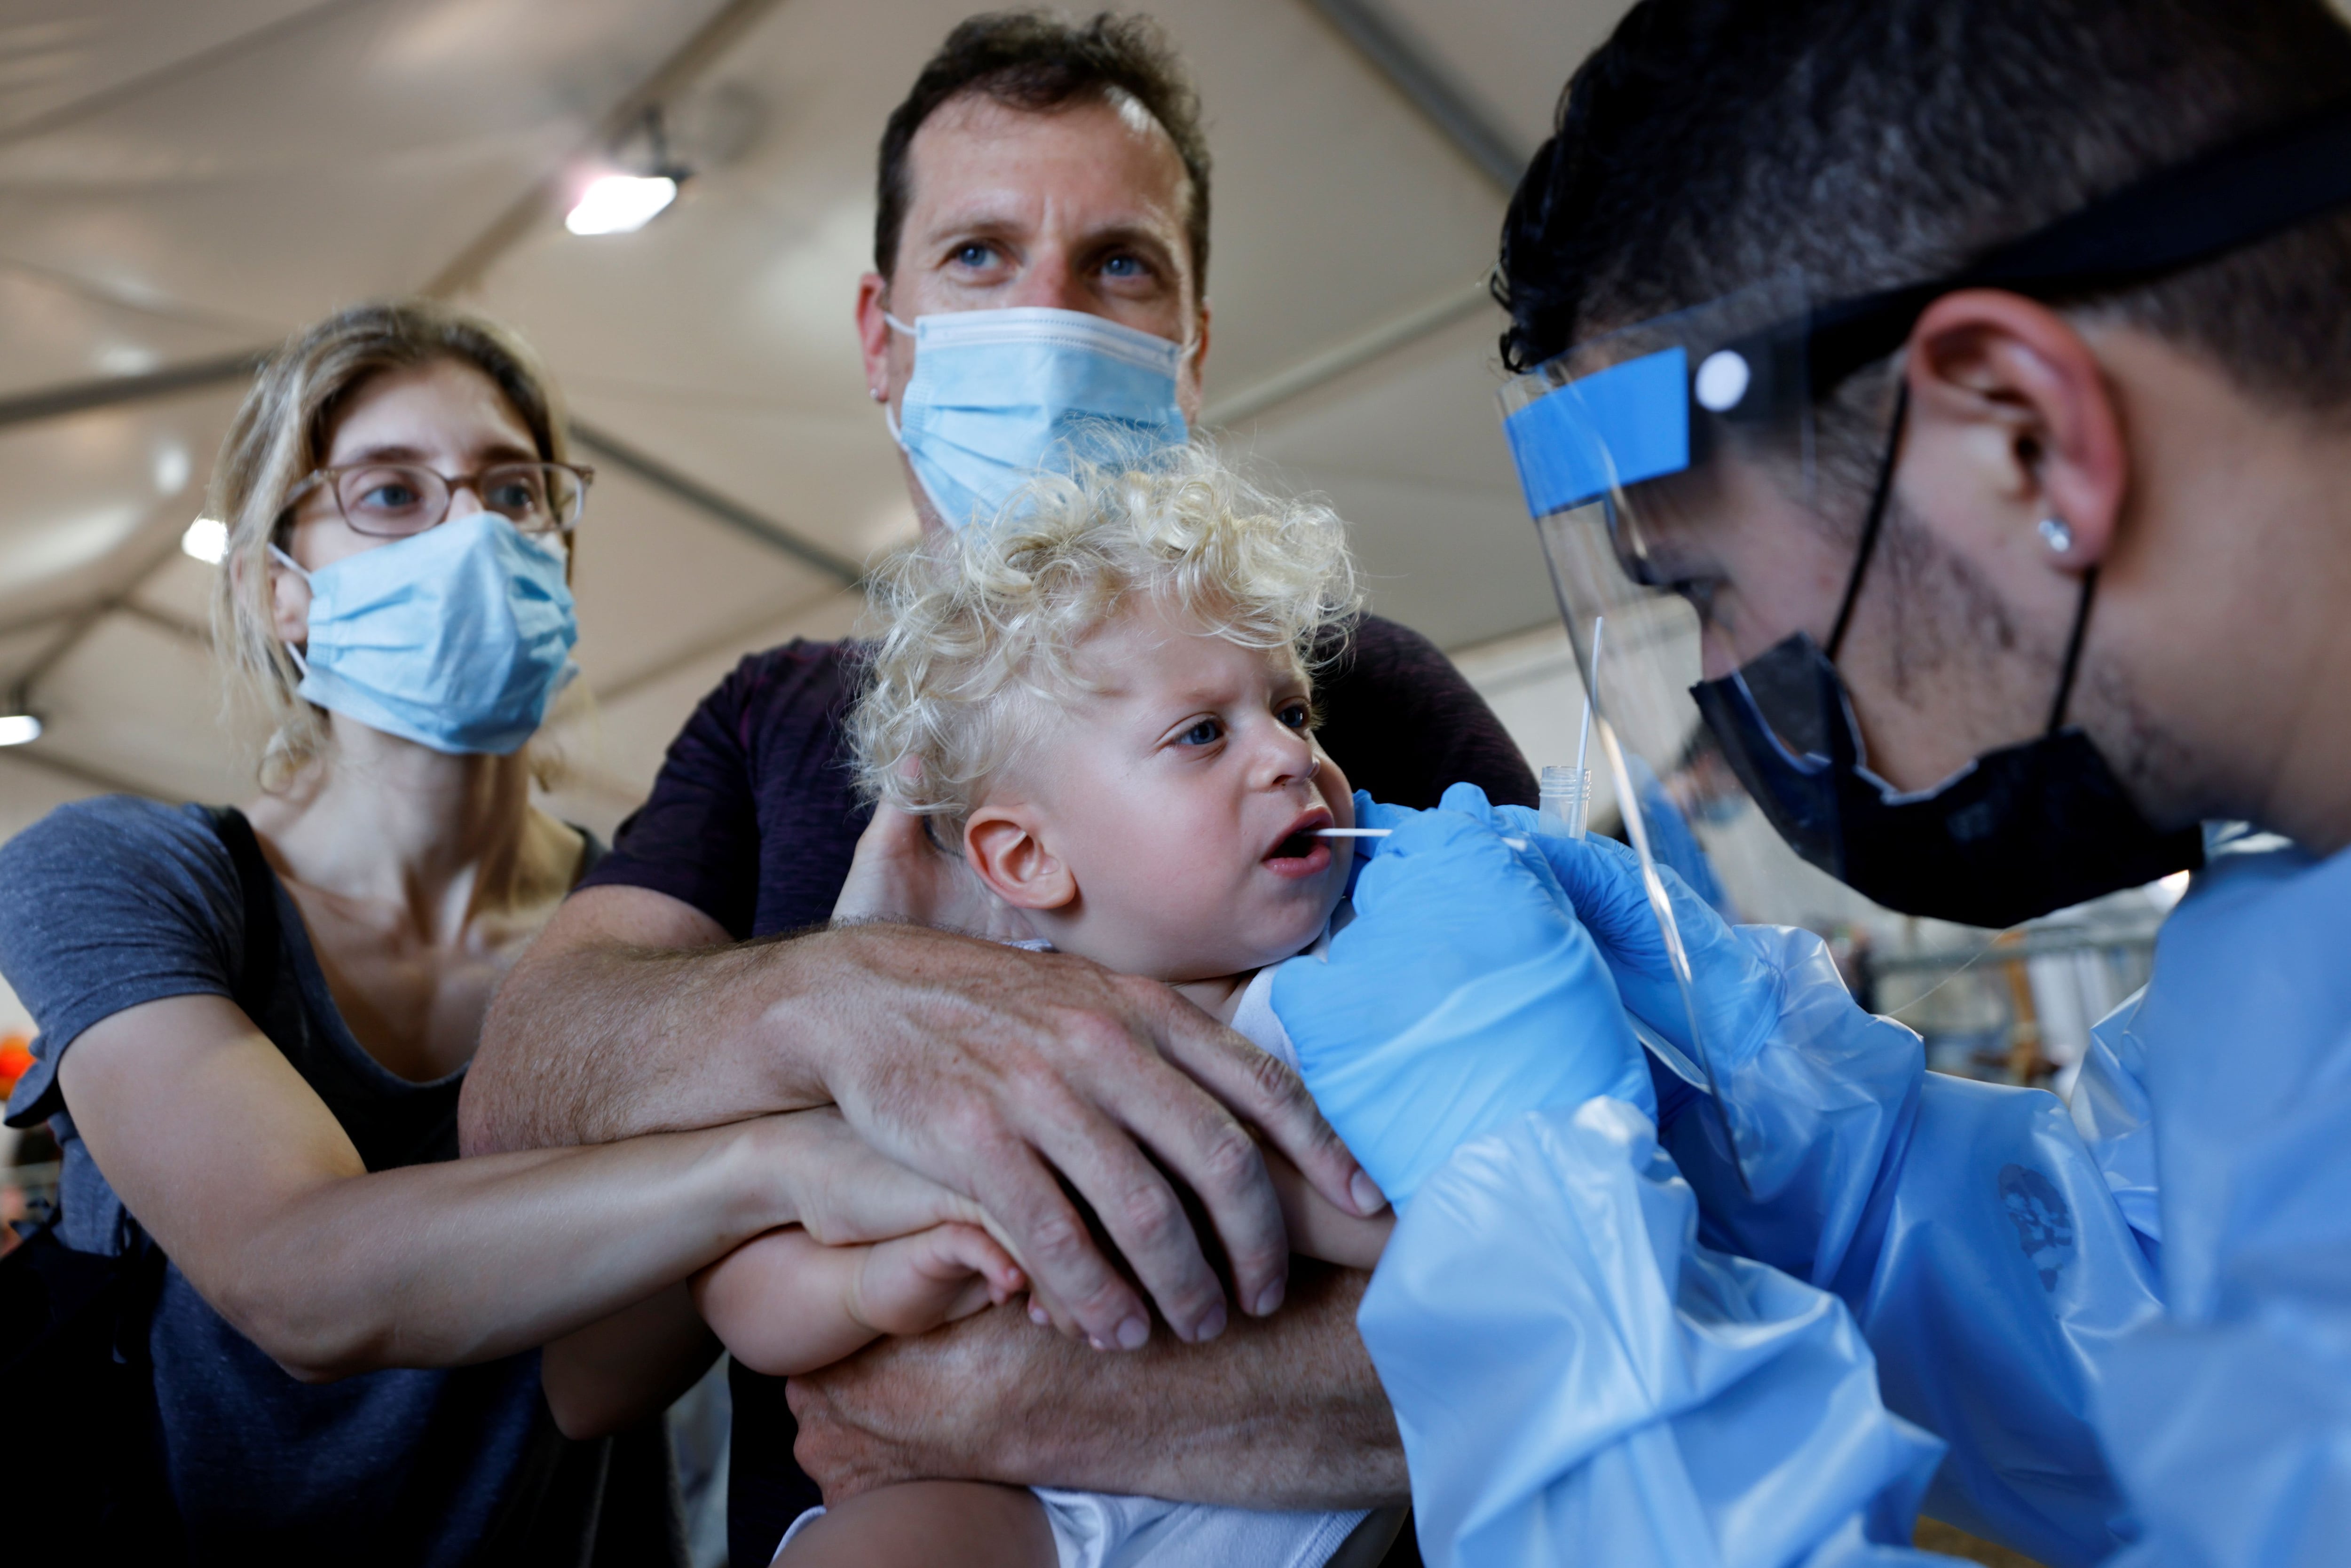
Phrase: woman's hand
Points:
(841, 1192)
(899, 875)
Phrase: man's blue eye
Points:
(1204, 733)
(1122, 265)
(974, 254)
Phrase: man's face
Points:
(1079, 209)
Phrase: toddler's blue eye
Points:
(1204, 733)
(1297, 715)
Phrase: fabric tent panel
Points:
(179, 589)
(654, 577)
(60, 330)
(142, 705)
(18, 650)
(1425, 412)
(67, 52)
(1514, 55)
(91, 495)
(1337, 205)
(1457, 566)
(357, 154)
(1410, 450)
(29, 792)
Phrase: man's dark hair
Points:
(1710, 145)
(1041, 62)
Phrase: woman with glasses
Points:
(254, 1025)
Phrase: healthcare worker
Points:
(1964, 394)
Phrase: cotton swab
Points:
(1383, 832)
(1583, 739)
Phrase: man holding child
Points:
(1043, 209)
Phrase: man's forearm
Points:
(594, 1038)
(1284, 1412)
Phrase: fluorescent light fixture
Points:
(17, 728)
(621, 204)
(206, 539)
(171, 468)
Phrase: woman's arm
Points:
(241, 1173)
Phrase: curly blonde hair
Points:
(980, 628)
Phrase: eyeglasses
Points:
(397, 500)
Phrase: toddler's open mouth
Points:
(1299, 851)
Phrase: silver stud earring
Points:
(2057, 534)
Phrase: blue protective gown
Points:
(2130, 1323)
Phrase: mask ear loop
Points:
(292, 652)
(1876, 522)
(2074, 651)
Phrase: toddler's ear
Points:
(1006, 848)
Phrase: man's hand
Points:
(1287, 1413)
(899, 875)
(998, 1074)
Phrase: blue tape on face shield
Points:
(1617, 426)
(457, 638)
(995, 394)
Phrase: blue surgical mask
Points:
(996, 392)
(457, 638)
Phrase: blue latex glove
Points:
(1463, 995)
(1737, 993)
(1371, 813)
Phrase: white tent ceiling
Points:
(186, 180)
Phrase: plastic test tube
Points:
(1564, 795)
(1566, 801)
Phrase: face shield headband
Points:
(1646, 439)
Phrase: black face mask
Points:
(2024, 830)
(2044, 824)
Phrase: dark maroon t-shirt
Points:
(755, 818)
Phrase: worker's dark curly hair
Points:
(1710, 145)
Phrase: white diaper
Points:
(1101, 1530)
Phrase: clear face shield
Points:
(1669, 469)
(1639, 453)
